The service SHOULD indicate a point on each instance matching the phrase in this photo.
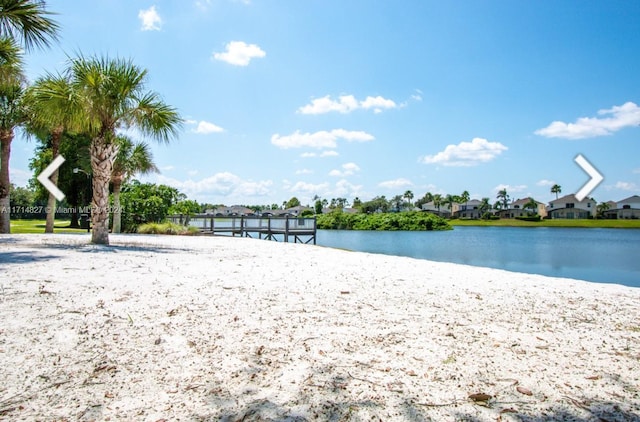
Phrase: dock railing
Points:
(298, 229)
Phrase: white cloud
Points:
(466, 154)
(636, 171)
(220, 184)
(348, 169)
(167, 168)
(395, 184)
(206, 128)
(346, 104)
(510, 188)
(304, 171)
(192, 172)
(612, 120)
(630, 186)
(239, 53)
(20, 178)
(321, 139)
(150, 19)
(417, 95)
(203, 4)
(545, 182)
(330, 153)
(345, 189)
(309, 188)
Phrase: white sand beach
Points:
(161, 328)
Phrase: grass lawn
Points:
(37, 226)
(613, 224)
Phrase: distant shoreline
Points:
(603, 224)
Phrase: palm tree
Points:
(601, 208)
(111, 96)
(556, 189)
(504, 198)
(465, 198)
(485, 206)
(27, 21)
(437, 201)
(52, 113)
(131, 159)
(533, 205)
(13, 113)
(449, 200)
(408, 195)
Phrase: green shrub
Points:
(167, 228)
(410, 220)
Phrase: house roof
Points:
(571, 198)
(524, 201)
(631, 199)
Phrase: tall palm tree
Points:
(437, 201)
(532, 204)
(449, 200)
(408, 195)
(465, 197)
(13, 113)
(131, 159)
(111, 96)
(503, 197)
(556, 189)
(53, 110)
(485, 206)
(28, 22)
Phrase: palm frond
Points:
(28, 22)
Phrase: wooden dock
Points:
(296, 229)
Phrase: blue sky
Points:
(364, 98)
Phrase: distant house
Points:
(235, 210)
(441, 211)
(517, 209)
(296, 211)
(470, 209)
(626, 209)
(570, 208)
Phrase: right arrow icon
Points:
(595, 180)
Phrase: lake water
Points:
(600, 255)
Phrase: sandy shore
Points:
(201, 328)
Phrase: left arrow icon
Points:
(44, 177)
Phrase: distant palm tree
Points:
(465, 198)
(131, 159)
(533, 205)
(503, 197)
(397, 202)
(111, 96)
(556, 189)
(52, 111)
(449, 200)
(485, 206)
(437, 201)
(27, 22)
(601, 209)
(408, 195)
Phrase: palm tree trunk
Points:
(102, 157)
(6, 136)
(56, 135)
(117, 214)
